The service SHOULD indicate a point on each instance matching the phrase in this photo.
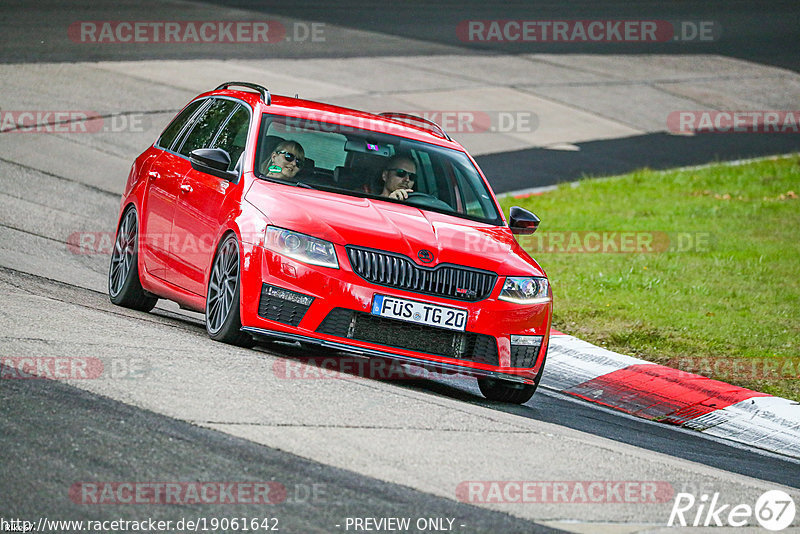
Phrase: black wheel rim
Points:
(123, 255)
(222, 286)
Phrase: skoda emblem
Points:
(425, 255)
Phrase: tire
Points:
(223, 315)
(505, 391)
(124, 287)
(511, 392)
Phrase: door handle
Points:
(153, 175)
(186, 188)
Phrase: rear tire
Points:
(124, 286)
(223, 316)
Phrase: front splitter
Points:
(470, 371)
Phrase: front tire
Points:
(223, 316)
(505, 391)
(511, 392)
(124, 287)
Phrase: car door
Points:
(198, 210)
(161, 192)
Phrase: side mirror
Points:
(213, 161)
(522, 221)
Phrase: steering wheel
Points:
(427, 201)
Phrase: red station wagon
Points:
(286, 219)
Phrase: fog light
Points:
(285, 294)
(526, 341)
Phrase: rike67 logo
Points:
(774, 510)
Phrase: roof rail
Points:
(420, 122)
(265, 96)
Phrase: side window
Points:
(233, 136)
(177, 124)
(325, 148)
(476, 201)
(469, 196)
(207, 125)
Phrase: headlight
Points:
(525, 290)
(301, 247)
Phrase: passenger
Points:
(398, 177)
(285, 162)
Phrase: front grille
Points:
(398, 271)
(282, 305)
(360, 326)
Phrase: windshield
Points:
(367, 163)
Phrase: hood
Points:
(393, 227)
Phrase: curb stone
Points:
(660, 393)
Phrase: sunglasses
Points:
(291, 157)
(401, 173)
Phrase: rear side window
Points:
(207, 125)
(233, 136)
(176, 126)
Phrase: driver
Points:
(398, 177)
(285, 162)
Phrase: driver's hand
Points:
(400, 194)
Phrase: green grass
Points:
(728, 308)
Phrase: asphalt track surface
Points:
(157, 448)
(54, 435)
(378, 448)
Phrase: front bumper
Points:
(331, 308)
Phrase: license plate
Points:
(420, 312)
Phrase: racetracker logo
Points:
(91, 243)
(690, 122)
(588, 31)
(739, 368)
(466, 121)
(122, 31)
(568, 492)
(180, 493)
(452, 121)
(566, 31)
(591, 242)
(72, 368)
(50, 367)
(71, 122)
(194, 32)
(94, 243)
(324, 368)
